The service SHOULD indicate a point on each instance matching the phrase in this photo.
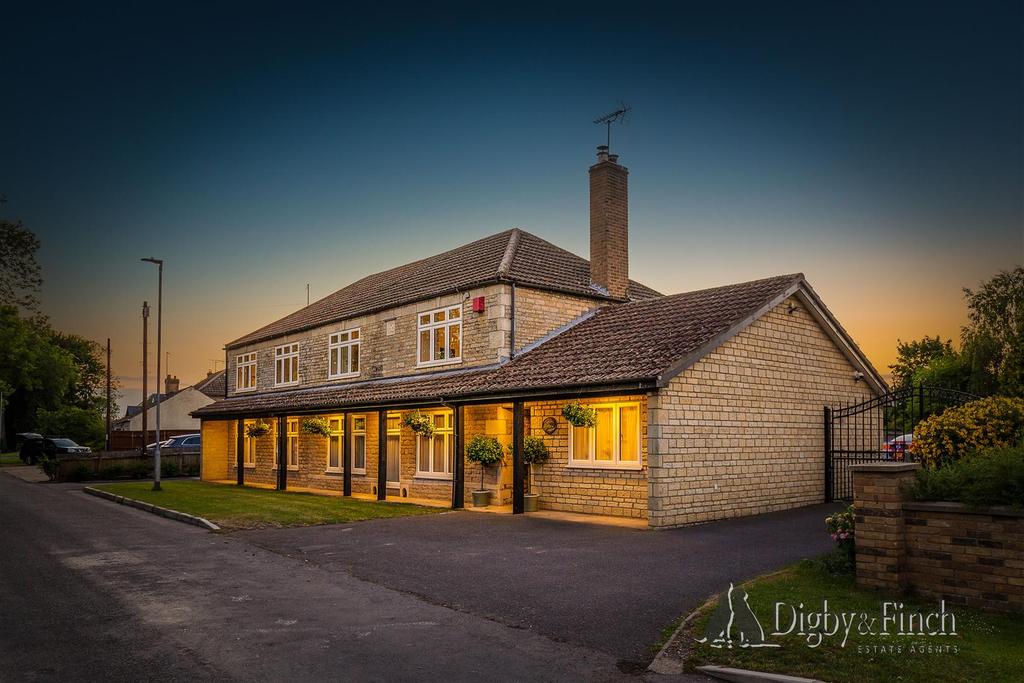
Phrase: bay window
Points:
(613, 442)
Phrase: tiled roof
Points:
(212, 386)
(622, 345)
(513, 255)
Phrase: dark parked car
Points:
(186, 443)
(35, 448)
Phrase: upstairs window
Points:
(343, 354)
(614, 442)
(286, 365)
(245, 372)
(440, 336)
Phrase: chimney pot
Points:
(602, 153)
(171, 384)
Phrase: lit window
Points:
(440, 336)
(245, 372)
(334, 444)
(434, 452)
(286, 365)
(248, 446)
(291, 444)
(394, 463)
(359, 445)
(343, 354)
(613, 442)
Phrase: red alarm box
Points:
(478, 304)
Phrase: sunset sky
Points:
(260, 148)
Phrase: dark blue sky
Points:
(878, 149)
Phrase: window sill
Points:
(358, 471)
(249, 467)
(439, 363)
(286, 384)
(627, 466)
(247, 390)
(334, 473)
(433, 477)
(347, 375)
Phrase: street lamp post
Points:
(159, 317)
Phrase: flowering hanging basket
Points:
(318, 426)
(579, 415)
(257, 429)
(419, 423)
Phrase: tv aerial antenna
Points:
(619, 116)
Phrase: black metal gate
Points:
(878, 429)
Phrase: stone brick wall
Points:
(539, 313)
(747, 414)
(603, 491)
(485, 340)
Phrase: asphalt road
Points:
(91, 590)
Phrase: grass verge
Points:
(9, 459)
(987, 645)
(231, 507)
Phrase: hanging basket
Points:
(318, 426)
(419, 423)
(579, 415)
(257, 429)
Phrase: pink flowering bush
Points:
(840, 528)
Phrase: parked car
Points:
(35, 448)
(178, 444)
(896, 448)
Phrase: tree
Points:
(90, 388)
(20, 276)
(84, 427)
(993, 340)
(912, 356)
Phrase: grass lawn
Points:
(988, 645)
(249, 508)
(8, 459)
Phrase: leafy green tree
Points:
(912, 356)
(993, 340)
(20, 275)
(90, 388)
(81, 425)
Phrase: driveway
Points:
(607, 589)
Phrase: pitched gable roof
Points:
(638, 346)
(213, 386)
(514, 256)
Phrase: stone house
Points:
(709, 403)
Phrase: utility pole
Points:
(108, 395)
(145, 372)
(159, 320)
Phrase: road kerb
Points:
(154, 509)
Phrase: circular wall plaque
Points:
(549, 425)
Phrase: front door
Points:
(394, 469)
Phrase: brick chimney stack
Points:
(171, 385)
(609, 224)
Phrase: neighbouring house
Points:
(176, 407)
(708, 403)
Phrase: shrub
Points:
(192, 470)
(579, 415)
(140, 470)
(535, 451)
(170, 468)
(112, 472)
(990, 477)
(80, 473)
(989, 422)
(318, 426)
(841, 528)
(485, 451)
(50, 467)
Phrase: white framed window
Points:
(291, 444)
(394, 454)
(359, 444)
(614, 442)
(286, 365)
(434, 453)
(439, 339)
(343, 354)
(335, 444)
(248, 446)
(245, 372)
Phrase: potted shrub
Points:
(579, 415)
(419, 423)
(257, 429)
(535, 452)
(318, 426)
(486, 451)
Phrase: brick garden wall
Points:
(740, 432)
(944, 551)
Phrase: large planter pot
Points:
(481, 499)
(531, 502)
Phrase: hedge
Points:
(986, 423)
(990, 477)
